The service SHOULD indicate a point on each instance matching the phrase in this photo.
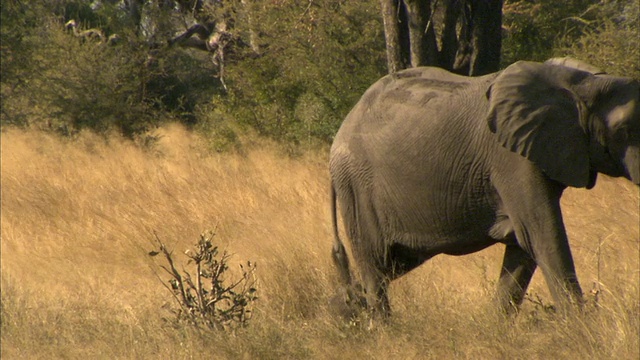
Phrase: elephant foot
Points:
(349, 302)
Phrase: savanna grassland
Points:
(79, 217)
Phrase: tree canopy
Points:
(285, 69)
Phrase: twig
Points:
(173, 271)
(306, 11)
(433, 10)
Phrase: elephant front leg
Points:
(517, 270)
(549, 248)
(556, 262)
(533, 207)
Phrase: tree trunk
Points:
(253, 37)
(470, 41)
(134, 8)
(462, 61)
(422, 38)
(487, 36)
(449, 37)
(396, 37)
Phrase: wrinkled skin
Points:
(428, 163)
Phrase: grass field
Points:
(78, 219)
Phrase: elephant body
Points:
(428, 163)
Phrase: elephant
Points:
(429, 162)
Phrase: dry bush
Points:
(205, 296)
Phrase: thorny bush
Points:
(207, 298)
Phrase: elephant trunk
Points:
(632, 164)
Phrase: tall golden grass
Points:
(78, 218)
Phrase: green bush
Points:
(603, 33)
(56, 81)
(320, 55)
(534, 28)
(611, 41)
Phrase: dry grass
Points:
(78, 220)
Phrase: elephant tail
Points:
(339, 253)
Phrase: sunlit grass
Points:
(78, 219)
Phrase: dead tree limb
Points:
(212, 38)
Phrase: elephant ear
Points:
(534, 112)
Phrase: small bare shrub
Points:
(207, 297)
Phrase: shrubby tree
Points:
(603, 33)
(72, 65)
(285, 69)
(221, 66)
(533, 28)
(609, 38)
(319, 56)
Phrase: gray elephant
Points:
(428, 163)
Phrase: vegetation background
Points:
(293, 69)
(103, 145)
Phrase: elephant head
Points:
(570, 120)
(576, 64)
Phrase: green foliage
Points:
(204, 296)
(292, 70)
(17, 22)
(533, 28)
(602, 33)
(316, 59)
(313, 61)
(54, 80)
(611, 40)
(87, 84)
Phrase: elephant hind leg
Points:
(376, 287)
(350, 299)
(361, 224)
(517, 270)
(341, 262)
